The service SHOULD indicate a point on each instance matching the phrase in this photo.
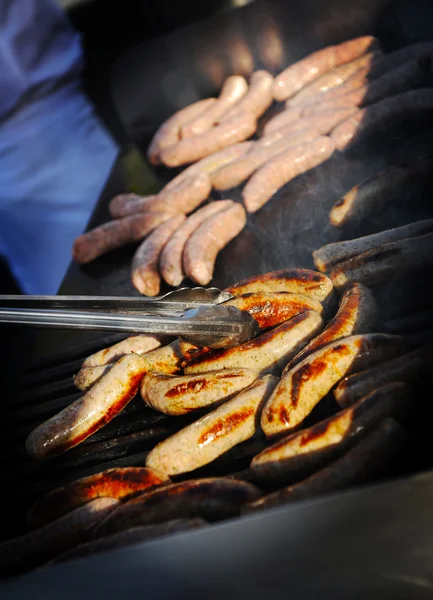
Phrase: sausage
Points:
(388, 62)
(134, 535)
(407, 367)
(276, 173)
(323, 122)
(302, 388)
(183, 198)
(301, 453)
(330, 80)
(145, 275)
(135, 344)
(354, 82)
(170, 260)
(115, 234)
(169, 132)
(211, 498)
(384, 262)
(239, 170)
(356, 314)
(238, 129)
(374, 193)
(88, 376)
(119, 483)
(296, 137)
(179, 395)
(282, 119)
(258, 98)
(208, 438)
(202, 247)
(101, 403)
(270, 309)
(266, 353)
(371, 455)
(39, 545)
(298, 75)
(235, 87)
(296, 281)
(331, 254)
(381, 116)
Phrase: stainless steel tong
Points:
(194, 314)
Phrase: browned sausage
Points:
(282, 119)
(145, 275)
(234, 88)
(135, 344)
(115, 234)
(212, 498)
(170, 261)
(367, 458)
(258, 98)
(301, 453)
(276, 173)
(296, 281)
(295, 77)
(119, 483)
(169, 132)
(203, 246)
(238, 129)
(356, 314)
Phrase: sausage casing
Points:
(135, 344)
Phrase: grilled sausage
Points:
(298, 75)
(183, 198)
(88, 376)
(38, 546)
(282, 119)
(385, 262)
(302, 388)
(296, 281)
(381, 116)
(239, 170)
(169, 132)
(356, 314)
(235, 87)
(135, 344)
(203, 441)
(258, 98)
(134, 535)
(276, 173)
(115, 234)
(170, 261)
(145, 275)
(101, 403)
(372, 194)
(265, 354)
(327, 256)
(367, 458)
(300, 454)
(212, 498)
(179, 395)
(330, 80)
(403, 368)
(202, 247)
(393, 60)
(119, 483)
(238, 129)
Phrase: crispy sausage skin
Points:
(356, 314)
(302, 388)
(367, 458)
(212, 498)
(277, 172)
(300, 454)
(298, 75)
(258, 98)
(115, 234)
(204, 440)
(178, 395)
(145, 274)
(296, 281)
(121, 483)
(384, 262)
(266, 353)
(135, 344)
(202, 247)
(171, 259)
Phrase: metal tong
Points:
(194, 314)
